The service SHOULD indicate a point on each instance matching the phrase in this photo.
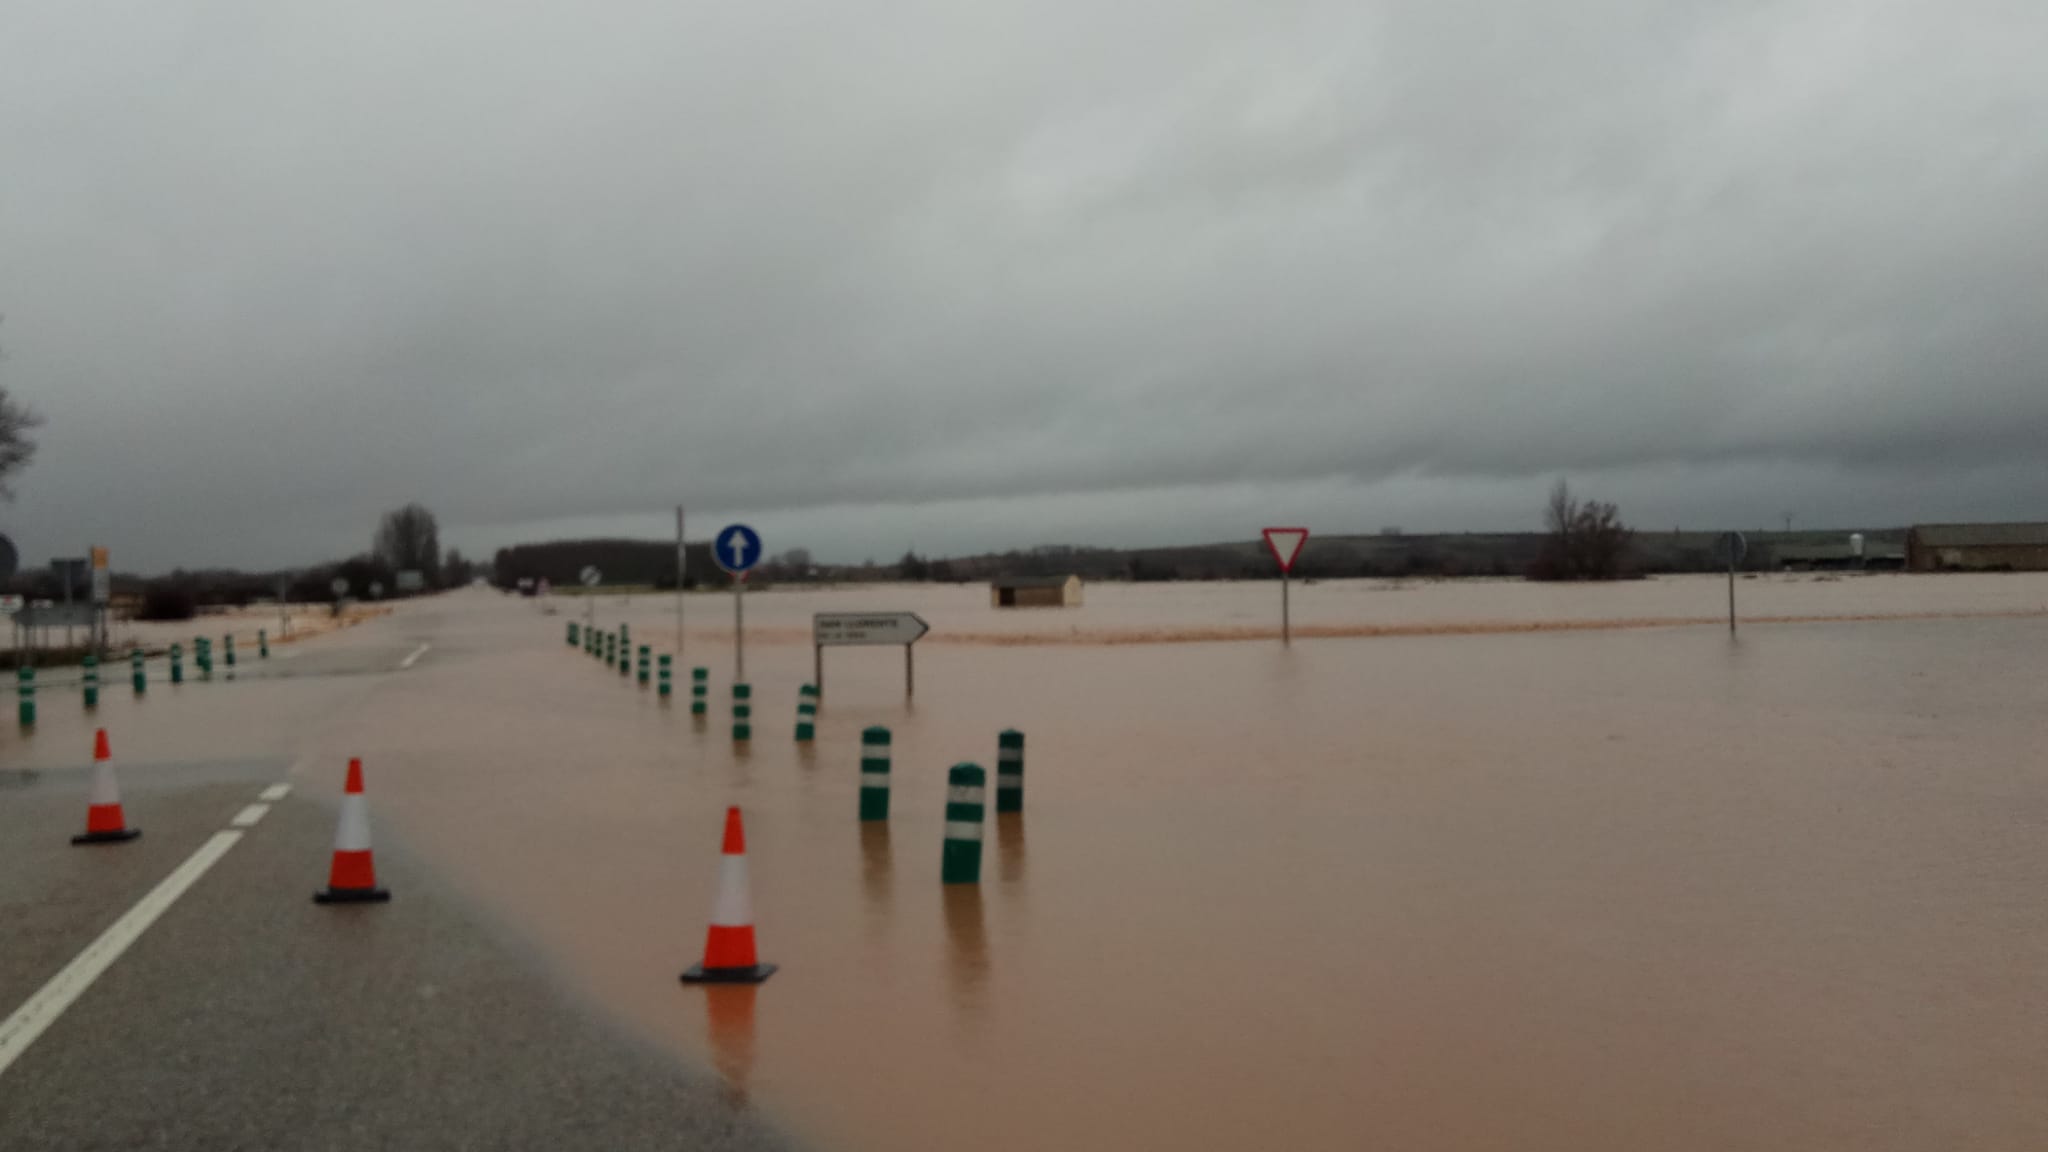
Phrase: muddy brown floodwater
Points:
(1473, 866)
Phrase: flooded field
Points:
(1469, 866)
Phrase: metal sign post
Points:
(1737, 548)
(682, 569)
(591, 578)
(1285, 544)
(737, 550)
(857, 629)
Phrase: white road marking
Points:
(20, 1030)
(275, 792)
(248, 817)
(413, 659)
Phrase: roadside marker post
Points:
(228, 646)
(966, 804)
(177, 663)
(92, 681)
(1010, 771)
(700, 691)
(625, 656)
(611, 649)
(136, 674)
(665, 687)
(874, 774)
(572, 633)
(742, 712)
(646, 661)
(1286, 545)
(262, 644)
(806, 713)
(26, 686)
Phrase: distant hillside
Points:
(652, 562)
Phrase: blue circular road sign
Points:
(737, 549)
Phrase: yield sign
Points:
(1285, 544)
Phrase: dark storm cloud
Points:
(992, 274)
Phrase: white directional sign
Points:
(1285, 544)
(340, 585)
(844, 629)
(590, 576)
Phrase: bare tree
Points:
(17, 447)
(456, 568)
(409, 539)
(1587, 540)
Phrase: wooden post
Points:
(909, 670)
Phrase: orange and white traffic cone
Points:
(104, 823)
(729, 956)
(353, 877)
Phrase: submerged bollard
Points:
(874, 774)
(202, 656)
(228, 645)
(665, 686)
(742, 712)
(177, 663)
(966, 802)
(646, 660)
(136, 675)
(806, 713)
(263, 644)
(572, 633)
(1010, 771)
(26, 686)
(92, 681)
(700, 691)
(625, 658)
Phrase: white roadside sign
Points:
(845, 629)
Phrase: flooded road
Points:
(1580, 888)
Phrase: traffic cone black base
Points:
(352, 896)
(113, 837)
(699, 974)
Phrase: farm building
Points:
(1035, 592)
(1977, 547)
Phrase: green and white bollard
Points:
(573, 629)
(806, 713)
(874, 774)
(92, 681)
(136, 675)
(646, 664)
(966, 802)
(263, 644)
(202, 656)
(227, 644)
(26, 686)
(625, 657)
(700, 691)
(742, 712)
(666, 687)
(177, 663)
(1010, 771)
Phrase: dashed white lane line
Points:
(275, 792)
(413, 659)
(20, 1030)
(248, 817)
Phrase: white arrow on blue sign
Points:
(737, 549)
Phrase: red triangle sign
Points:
(1285, 544)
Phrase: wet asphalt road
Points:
(249, 1017)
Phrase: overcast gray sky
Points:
(1007, 273)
